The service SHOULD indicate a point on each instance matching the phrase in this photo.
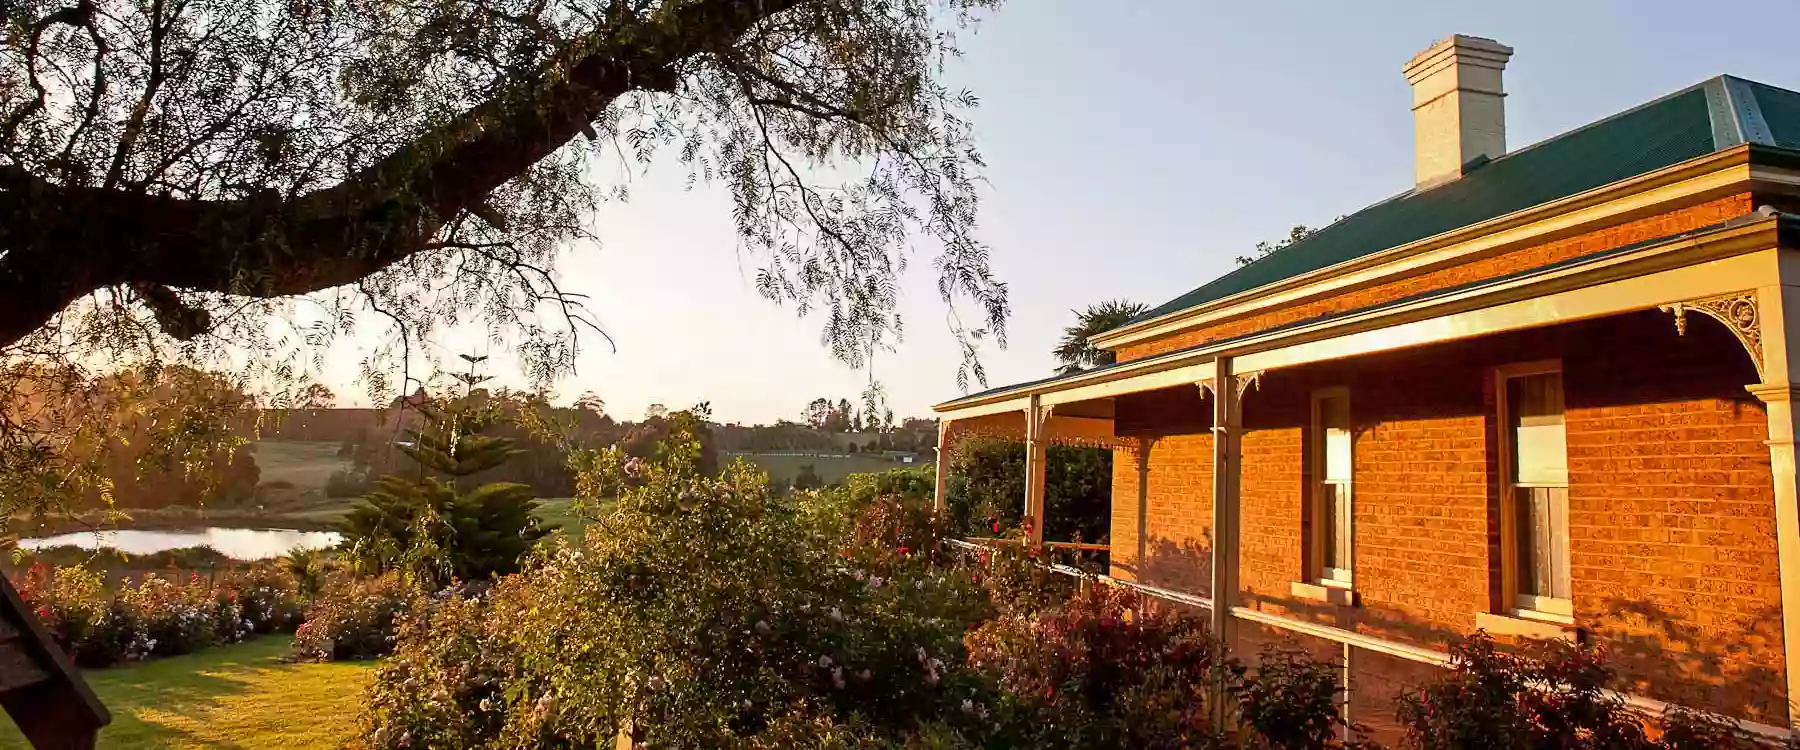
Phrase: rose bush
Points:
(99, 626)
(354, 619)
(1546, 695)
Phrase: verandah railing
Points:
(1349, 640)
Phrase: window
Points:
(1535, 495)
(1331, 490)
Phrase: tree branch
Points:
(59, 242)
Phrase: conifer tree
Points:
(433, 529)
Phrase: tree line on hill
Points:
(135, 438)
(543, 433)
(146, 437)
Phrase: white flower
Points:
(968, 706)
(762, 626)
(825, 662)
(837, 678)
(919, 584)
(875, 582)
(864, 675)
(920, 651)
(836, 615)
(487, 704)
(806, 607)
(546, 704)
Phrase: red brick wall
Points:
(1671, 514)
(1178, 543)
(1671, 506)
(1272, 491)
(1662, 225)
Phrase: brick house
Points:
(1545, 392)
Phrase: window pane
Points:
(1334, 418)
(1540, 450)
(1341, 513)
(1556, 505)
(1542, 532)
(1334, 527)
(1531, 548)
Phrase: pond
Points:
(241, 544)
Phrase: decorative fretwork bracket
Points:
(1246, 382)
(1739, 313)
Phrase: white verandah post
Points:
(1780, 344)
(940, 500)
(1226, 452)
(1036, 453)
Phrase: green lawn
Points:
(832, 469)
(303, 464)
(233, 697)
(561, 511)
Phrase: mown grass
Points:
(562, 512)
(240, 696)
(831, 469)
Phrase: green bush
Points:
(341, 484)
(987, 490)
(700, 613)
(434, 529)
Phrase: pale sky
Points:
(1135, 147)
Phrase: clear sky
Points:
(1135, 147)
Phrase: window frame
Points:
(1518, 602)
(1320, 571)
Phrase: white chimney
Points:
(1459, 110)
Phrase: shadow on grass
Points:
(233, 697)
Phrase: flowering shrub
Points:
(267, 597)
(1291, 701)
(1089, 674)
(155, 616)
(701, 612)
(353, 620)
(1550, 695)
(73, 603)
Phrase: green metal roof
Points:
(1789, 226)
(1780, 110)
(1719, 114)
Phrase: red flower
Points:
(902, 549)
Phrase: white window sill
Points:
(1524, 627)
(1332, 594)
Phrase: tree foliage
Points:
(429, 528)
(1298, 233)
(174, 172)
(136, 438)
(1074, 353)
(987, 490)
